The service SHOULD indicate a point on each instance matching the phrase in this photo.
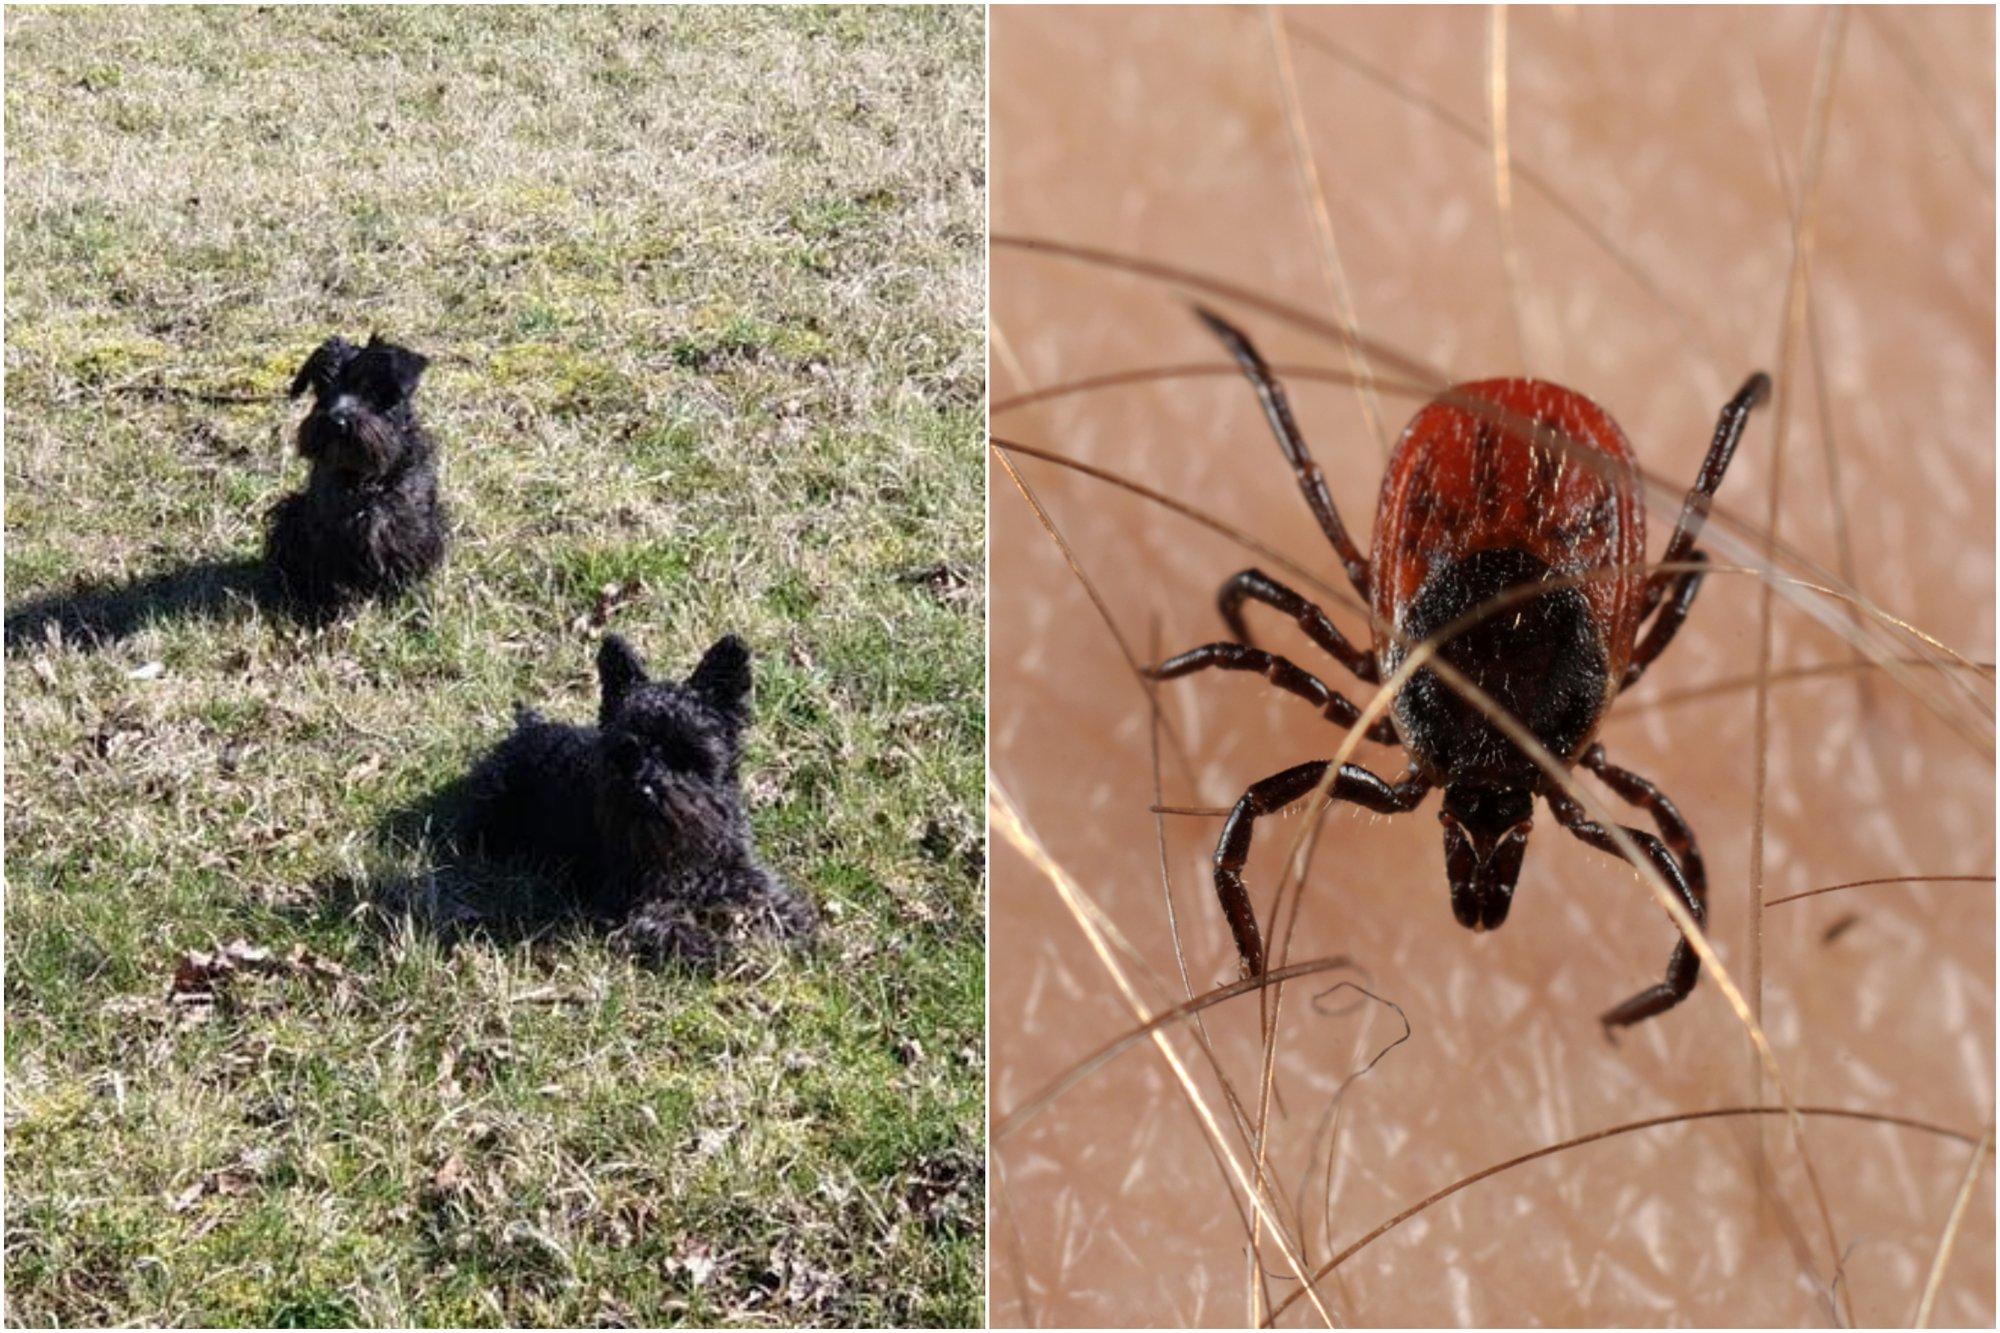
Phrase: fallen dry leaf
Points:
(200, 977)
(947, 583)
(697, 1260)
(452, 1177)
(609, 598)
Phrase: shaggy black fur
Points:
(643, 812)
(369, 522)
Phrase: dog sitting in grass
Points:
(368, 523)
(643, 813)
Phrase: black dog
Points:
(643, 812)
(368, 522)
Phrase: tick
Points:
(1496, 488)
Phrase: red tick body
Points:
(1547, 473)
(1509, 536)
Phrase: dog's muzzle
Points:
(353, 439)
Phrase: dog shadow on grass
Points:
(101, 613)
(429, 877)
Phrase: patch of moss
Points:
(561, 378)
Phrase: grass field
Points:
(703, 293)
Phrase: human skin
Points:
(1165, 137)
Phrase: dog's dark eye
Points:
(625, 750)
(684, 757)
(378, 385)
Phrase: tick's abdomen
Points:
(1527, 468)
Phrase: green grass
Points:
(703, 294)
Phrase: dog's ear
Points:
(618, 670)
(408, 368)
(405, 366)
(723, 677)
(321, 367)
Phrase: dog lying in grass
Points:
(643, 813)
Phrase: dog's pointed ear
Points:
(323, 365)
(618, 670)
(405, 366)
(723, 677)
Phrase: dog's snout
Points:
(648, 778)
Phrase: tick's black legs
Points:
(1278, 411)
(1668, 623)
(1254, 585)
(1678, 587)
(1333, 705)
(1728, 430)
(1690, 883)
(1353, 783)
(1674, 830)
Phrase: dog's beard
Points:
(367, 448)
(663, 817)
